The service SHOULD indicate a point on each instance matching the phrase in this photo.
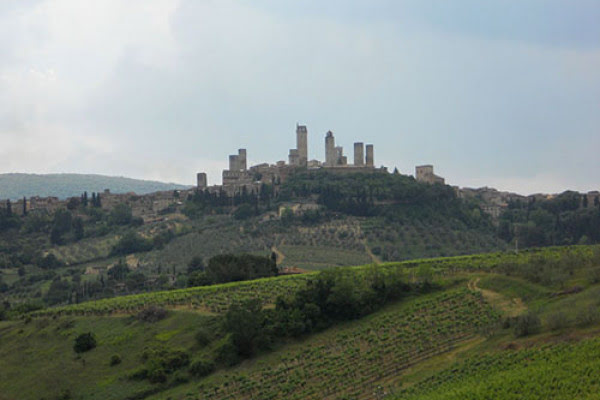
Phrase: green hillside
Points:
(16, 186)
(527, 322)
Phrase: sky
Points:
(499, 93)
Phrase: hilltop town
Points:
(239, 177)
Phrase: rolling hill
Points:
(15, 185)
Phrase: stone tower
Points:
(242, 159)
(302, 144)
(370, 157)
(329, 149)
(359, 154)
(234, 162)
(202, 180)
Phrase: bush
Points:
(202, 368)
(115, 359)
(152, 314)
(587, 317)
(84, 342)
(557, 321)
(131, 242)
(203, 337)
(526, 324)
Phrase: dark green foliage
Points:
(557, 320)
(59, 292)
(230, 268)
(115, 359)
(198, 278)
(130, 243)
(195, 264)
(526, 324)
(84, 342)
(563, 219)
(119, 271)
(204, 336)
(200, 368)
(152, 314)
(160, 362)
(588, 316)
(49, 262)
(245, 323)
(61, 225)
(120, 215)
(243, 211)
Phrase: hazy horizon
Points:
(504, 94)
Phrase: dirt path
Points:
(375, 259)
(510, 306)
(280, 255)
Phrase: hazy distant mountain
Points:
(15, 186)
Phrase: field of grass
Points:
(37, 359)
(353, 360)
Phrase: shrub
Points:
(203, 337)
(84, 342)
(202, 368)
(526, 324)
(587, 317)
(557, 320)
(115, 359)
(152, 314)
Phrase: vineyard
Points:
(212, 299)
(217, 298)
(560, 371)
(352, 361)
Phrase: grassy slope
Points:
(37, 358)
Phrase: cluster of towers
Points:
(239, 174)
(334, 155)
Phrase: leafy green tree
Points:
(130, 243)
(84, 342)
(245, 324)
(78, 230)
(120, 215)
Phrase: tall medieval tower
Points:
(302, 144)
(330, 154)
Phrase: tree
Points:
(244, 211)
(84, 199)
(121, 215)
(245, 324)
(584, 201)
(24, 206)
(73, 203)
(119, 271)
(84, 342)
(195, 264)
(8, 208)
(78, 231)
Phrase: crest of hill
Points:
(16, 185)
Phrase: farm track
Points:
(509, 306)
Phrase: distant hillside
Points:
(15, 186)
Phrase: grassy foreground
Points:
(461, 341)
